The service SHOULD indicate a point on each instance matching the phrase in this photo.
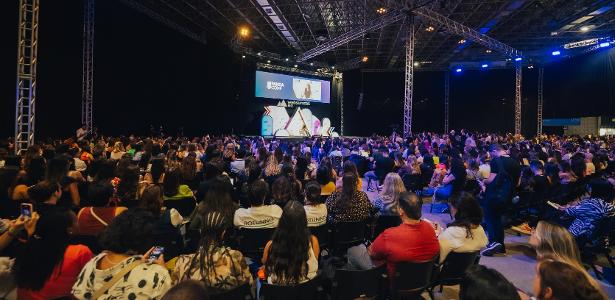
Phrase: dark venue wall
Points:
(147, 74)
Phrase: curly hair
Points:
(290, 244)
(129, 233)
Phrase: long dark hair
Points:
(349, 188)
(171, 182)
(469, 212)
(218, 198)
(151, 199)
(127, 188)
(212, 238)
(38, 258)
(157, 169)
(57, 168)
(290, 244)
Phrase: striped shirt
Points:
(587, 214)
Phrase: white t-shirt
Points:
(265, 216)
(316, 214)
(454, 239)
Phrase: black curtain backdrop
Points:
(145, 73)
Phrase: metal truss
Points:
(466, 32)
(518, 77)
(322, 73)
(409, 81)
(541, 72)
(200, 37)
(27, 45)
(87, 91)
(352, 35)
(340, 97)
(447, 82)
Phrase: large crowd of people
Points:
(164, 217)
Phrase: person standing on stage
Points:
(82, 132)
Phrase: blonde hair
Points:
(392, 187)
(118, 147)
(272, 167)
(556, 242)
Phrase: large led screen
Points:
(280, 86)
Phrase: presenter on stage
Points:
(82, 132)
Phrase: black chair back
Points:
(322, 234)
(252, 241)
(454, 267)
(185, 206)
(242, 292)
(351, 284)
(309, 290)
(347, 234)
(385, 222)
(412, 278)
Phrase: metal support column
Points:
(87, 91)
(541, 72)
(340, 97)
(447, 82)
(518, 73)
(27, 45)
(409, 80)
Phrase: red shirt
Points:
(406, 242)
(63, 277)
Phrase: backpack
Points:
(499, 192)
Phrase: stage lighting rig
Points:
(364, 59)
(244, 32)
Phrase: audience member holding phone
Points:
(46, 266)
(121, 271)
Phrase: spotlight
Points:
(416, 64)
(381, 10)
(555, 53)
(295, 66)
(243, 56)
(268, 61)
(364, 59)
(259, 54)
(488, 51)
(530, 66)
(605, 44)
(585, 29)
(430, 29)
(554, 33)
(244, 31)
(518, 59)
(484, 66)
(461, 41)
(286, 59)
(458, 70)
(333, 68)
(311, 64)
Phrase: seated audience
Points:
(349, 205)
(281, 191)
(216, 265)
(125, 241)
(168, 218)
(413, 240)
(128, 186)
(46, 266)
(92, 220)
(177, 195)
(291, 257)
(259, 214)
(464, 234)
(349, 166)
(315, 208)
(323, 177)
(482, 283)
(386, 202)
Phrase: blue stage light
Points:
(458, 70)
(555, 53)
(605, 44)
(484, 66)
(518, 59)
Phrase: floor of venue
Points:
(518, 265)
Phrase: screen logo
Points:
(274, 85)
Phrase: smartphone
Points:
(554, 205)
(26, 210)
(155, 254)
